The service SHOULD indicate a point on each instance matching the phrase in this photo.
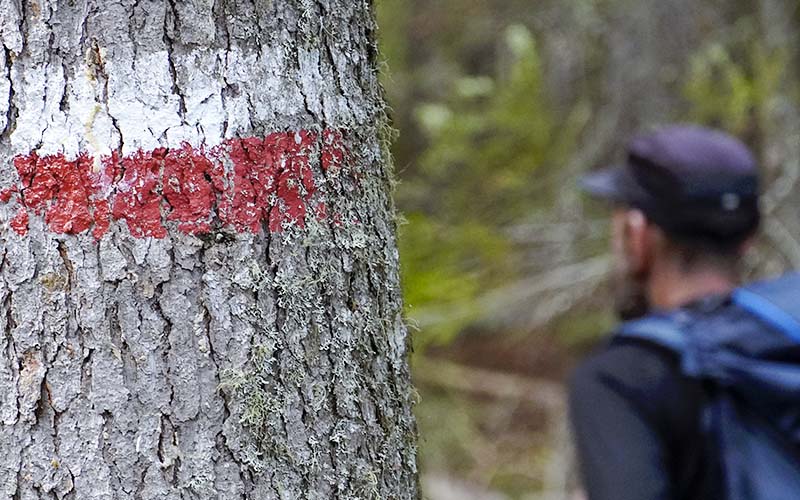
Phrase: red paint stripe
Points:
(241, 184)
(20, 221)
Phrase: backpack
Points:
(753, 408)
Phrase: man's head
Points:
(686, 205)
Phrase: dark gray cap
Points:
(691, 181)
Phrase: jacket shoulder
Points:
(646, 375)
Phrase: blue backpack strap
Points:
(775, 302)
(660, 330)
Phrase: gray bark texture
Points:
(221, 366)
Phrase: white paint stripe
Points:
(146, 110)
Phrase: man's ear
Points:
(638, 241)
(747, 244)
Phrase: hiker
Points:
(697, 393)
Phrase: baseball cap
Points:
(692, 181)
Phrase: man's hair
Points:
(697, 252)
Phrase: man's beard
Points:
(630, 297)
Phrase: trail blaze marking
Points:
(241, 183)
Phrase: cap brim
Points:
(613, 184)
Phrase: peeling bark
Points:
(224, 364)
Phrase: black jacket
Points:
(636, 422)
(637, 428)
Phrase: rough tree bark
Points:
(198, 288)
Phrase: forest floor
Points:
(492, 418)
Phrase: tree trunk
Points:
(199, 294)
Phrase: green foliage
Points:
(445, 268)
(451, 446)
(393, 41)
(491, 145)
(734, 94)
(490, 142)
(581, 327)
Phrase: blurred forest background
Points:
(500, 105)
